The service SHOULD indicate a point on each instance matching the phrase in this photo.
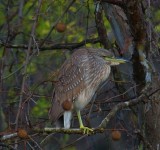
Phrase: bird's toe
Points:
(86, 130)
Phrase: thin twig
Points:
(70, 4)
(26, 63)
(35, 142)
(116, 96)
(122, 105)
(145, 141)
(6, 77)
(70, 144)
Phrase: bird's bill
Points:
(115, 60)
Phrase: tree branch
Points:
(124, 105)
(101, 27)
(101, 127)
(53, 130)
(26, 62)
(69, 46)
(67, 131)
(114, 2)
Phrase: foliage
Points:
(28, 73)
(41, 104)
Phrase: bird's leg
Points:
(86, 130)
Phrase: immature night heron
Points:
(78, 79)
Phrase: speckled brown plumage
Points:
(78, 79)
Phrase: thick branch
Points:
(114, 2)
(101, 27)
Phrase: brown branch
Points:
(69, 46)
(114, 2)
(101, 27)
(26, 63)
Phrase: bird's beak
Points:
(115, 61)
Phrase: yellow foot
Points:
(86, 130)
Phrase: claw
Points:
(86, 130)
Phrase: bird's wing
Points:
(68, 86)
(75, 75)
(56, 110)
(70, 82)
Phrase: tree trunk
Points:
(133, 36)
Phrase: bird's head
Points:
(108, 56)
(100, 52)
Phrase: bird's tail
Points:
(56, 110)
(67, 119)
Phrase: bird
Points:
(78, 79)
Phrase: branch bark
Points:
(68, 46)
